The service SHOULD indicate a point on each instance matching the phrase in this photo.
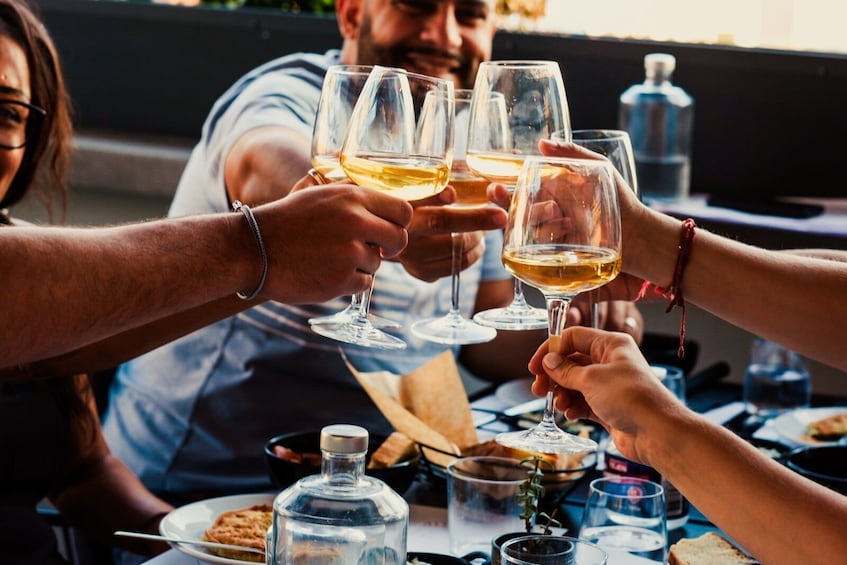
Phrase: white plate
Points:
(792, 427)
(191, 520)
(515, 392)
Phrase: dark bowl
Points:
(443, 559)
(284, 473)
(826, 465)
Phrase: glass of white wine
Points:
(341, 88)
(564, 238)
(614, 145)
(400, 141)
(536, 106)
(453, 328)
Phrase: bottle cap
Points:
(659, 65)
(344, 438)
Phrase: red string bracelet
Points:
(673, 292)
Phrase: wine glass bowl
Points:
(533, 94)
(564, 238)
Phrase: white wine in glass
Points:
(564, 238)
(339, 93)
(453, 328)
(400, 140)
(536, 106)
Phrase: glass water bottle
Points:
(659, 117)
(341, 516)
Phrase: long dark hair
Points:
(47, 151)
(45, 161)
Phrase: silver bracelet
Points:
(237, 206)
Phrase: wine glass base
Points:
(362, 334)
(452, 329)
(546, 441)
(511, 318)
(349, 314)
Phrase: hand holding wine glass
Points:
(400, 141)
(563, 237)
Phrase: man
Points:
(192, 417)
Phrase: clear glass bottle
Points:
(341, 516)
(659, 118)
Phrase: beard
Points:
(463, 70)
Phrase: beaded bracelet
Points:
(673, 292)
(237, 206)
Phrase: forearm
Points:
(768, 293)
(761, 504)
(112, 498)
(65, 287)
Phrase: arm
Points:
(758, 502)
(97, 282)
(102, 495)
(769, 293)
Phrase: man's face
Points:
(443, 38)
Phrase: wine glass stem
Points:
(456, 267)
(595, 309)
(557, 314)
(519, 301)
(364, 299)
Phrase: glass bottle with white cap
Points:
(659, 117)
(341, 516)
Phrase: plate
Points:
(191, 520)
(515, 392)
(792, 426)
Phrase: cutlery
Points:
(189, 541)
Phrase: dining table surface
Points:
(427, 496)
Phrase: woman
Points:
(49, 429)
(774, 513)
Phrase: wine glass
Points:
(339, 93)
(400, 141)
(453, 328)
(563, 237)
(534, 94)
(616, 146)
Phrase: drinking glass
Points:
(453, 328)
(615, 146)
(563, 237)
(400, 141)
(341, 87)
(536, 106)
(626, 514)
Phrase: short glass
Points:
(541, 549)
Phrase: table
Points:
(428, 496)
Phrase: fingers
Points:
(556, 149)
(499, 195)
(441, 220)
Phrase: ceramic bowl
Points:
(826, 465)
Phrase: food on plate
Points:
(396, 448)
(831, 428)
(245, 527)
(283, 452)
(708, 549)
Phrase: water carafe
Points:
(659, 118)
(342, 516)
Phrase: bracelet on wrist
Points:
(673, 292)
(237, 206)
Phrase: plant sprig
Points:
(530, 493)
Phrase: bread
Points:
(708, 549)
(831, 428)
(246, 527)
(396, 448)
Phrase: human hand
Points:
(603, 376)
(615, 315)
(428, 256)
(353, 227)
